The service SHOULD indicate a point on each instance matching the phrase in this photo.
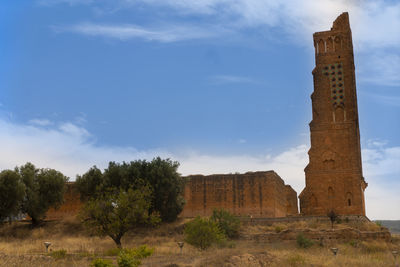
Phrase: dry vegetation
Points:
(22, 246)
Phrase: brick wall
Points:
(256, 194)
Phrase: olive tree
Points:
(12, 192)
(44, 189)
(160, 175)
(113, 213)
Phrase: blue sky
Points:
(219, 85)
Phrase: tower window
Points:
(349, 202)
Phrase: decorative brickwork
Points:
(334, 179)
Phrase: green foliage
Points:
(89, 182)
(161, 175)
(133, 257)
(114, 213)
(127, 260)
(12, 192)
(353, 243)
(58, 254)
(303, 241)
(278, 229)
(101, 263)
(44, 188)
(202, 233)
(227, 222)
(379, 223)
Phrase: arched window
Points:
(349, 198)
(339, 114)
(321, 46)
(338, 44)
(329, 45)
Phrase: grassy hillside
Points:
(20, 245)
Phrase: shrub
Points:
(133, 257)
(379, 223)
(101, 263)
(227, 222)
(303, 241)
(202, 233)
(278, 229)
(125, 259)
(58, 254)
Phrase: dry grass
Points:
(22, 246)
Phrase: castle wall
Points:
(256, 194)
(291, 201)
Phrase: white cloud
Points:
(166, 34)
(70, 149)
(375, 25)
(40, 122)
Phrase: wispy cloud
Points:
(375, 25)
(70, 148)
(40, 122)
(170, 33)
(222, 79)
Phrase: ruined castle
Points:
(334, 179)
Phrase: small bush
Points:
(227, 222)
(353, 243)
(278, 229)
(379, 223)
(141, 252)
(58, 254)
(101, 263)
(303, 241)
(202, 233)
(133, 257)
(125, 259)
(296, 260)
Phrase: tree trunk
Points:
(117, 241)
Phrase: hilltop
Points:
(20, 245)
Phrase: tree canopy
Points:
(160, 175)
(12, 192)
(44, 188)
(114, 213)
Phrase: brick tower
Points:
(334, 179)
